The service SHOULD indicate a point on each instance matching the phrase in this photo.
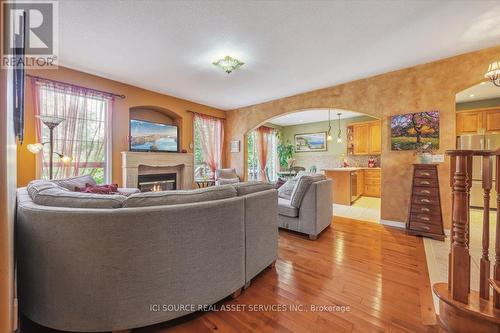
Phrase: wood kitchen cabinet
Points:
(491, 120)
(472, 122)
(364, 138)
(371, 183)
(361, 137)
(347, 189)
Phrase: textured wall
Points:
(424, 87)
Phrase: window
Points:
(84, 134)
(253, 159)
(208, 140)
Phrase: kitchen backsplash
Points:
(325, 161)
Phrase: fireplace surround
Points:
(135, 164)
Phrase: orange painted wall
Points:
(120, 125)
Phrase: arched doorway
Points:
(337, 142)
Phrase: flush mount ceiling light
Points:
(493, 73)
(228, 64)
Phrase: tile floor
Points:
(437, 251)
(364, 209)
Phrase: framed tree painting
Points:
(309, 142)
(412, 130)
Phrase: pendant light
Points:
(339, 137)
(329, 137)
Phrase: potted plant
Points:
(424, 152)
(285, 152)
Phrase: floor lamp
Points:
(51, 122)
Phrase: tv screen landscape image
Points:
(150, 136)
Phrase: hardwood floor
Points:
(379, 273)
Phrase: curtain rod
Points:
(204, 114)
(74, 85)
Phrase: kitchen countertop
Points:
(350, 169)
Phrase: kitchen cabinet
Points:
(364, 138)
(351, 183)
(492, 121)
(372, 183)
(473, 122)
(361, 137)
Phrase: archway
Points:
(339, 145)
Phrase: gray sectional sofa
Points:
(305, 204)
(111, 262)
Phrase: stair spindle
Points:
(484, 286)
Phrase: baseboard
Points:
(395, 224)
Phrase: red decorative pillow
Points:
(279, 183)
(99, 189)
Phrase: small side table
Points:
(204, 182)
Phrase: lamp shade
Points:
(493, 70)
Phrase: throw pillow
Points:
(279, 183)
(74, 182)
(98, 189)
(286, 190)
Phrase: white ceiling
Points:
(312, 116)
(289, 47)
(483, 90)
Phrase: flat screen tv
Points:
(150, 136)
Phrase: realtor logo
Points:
(29, 29)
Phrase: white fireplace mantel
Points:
(134, 162)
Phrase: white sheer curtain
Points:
(210, 132)
(85, 133)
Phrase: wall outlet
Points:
(439, 158)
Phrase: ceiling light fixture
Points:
(493, 73)
(228, 64)
(329, 137)
(339, 137)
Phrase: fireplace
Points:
(135, 164)
(157, 182)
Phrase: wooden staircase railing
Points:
(463, 310)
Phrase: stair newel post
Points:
(460, 258)
(484, 270)
(496, 267)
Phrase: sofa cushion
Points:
(286, 190)
(75, 182)
(180, 197)
(251, 187)
(225, 173)
(304, 180)
(37, 186)
(225, 181)
(60, 197)
(284, 208)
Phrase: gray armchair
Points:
(226, 176)
(305, 204)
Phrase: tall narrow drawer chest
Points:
(425, 217)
